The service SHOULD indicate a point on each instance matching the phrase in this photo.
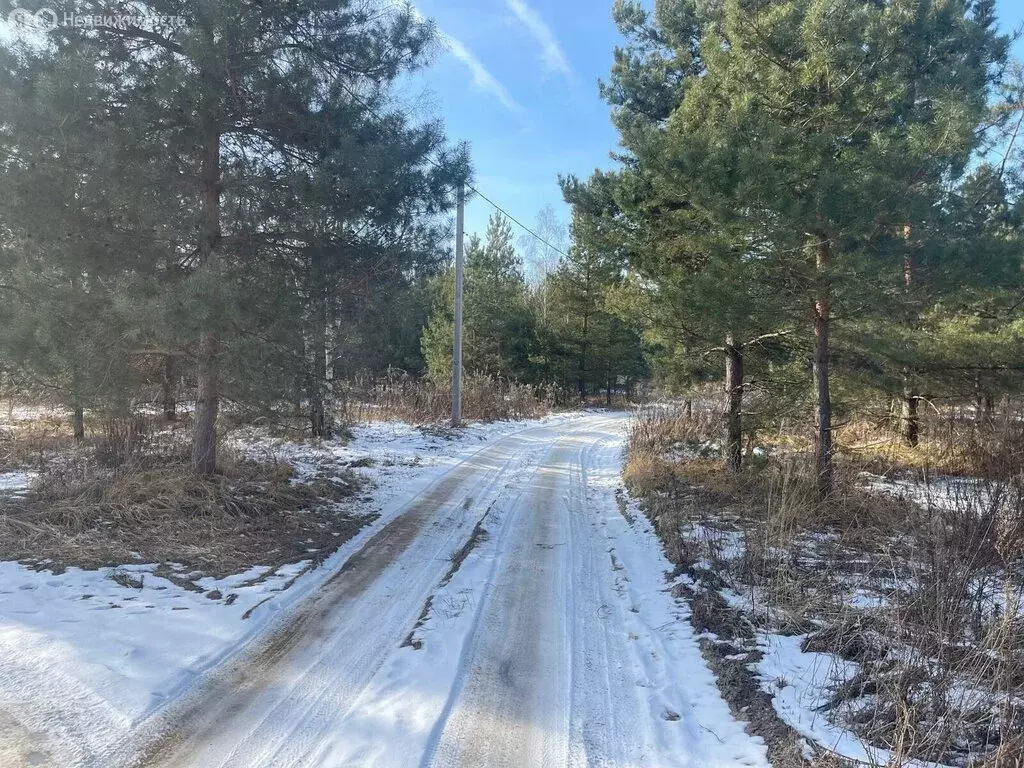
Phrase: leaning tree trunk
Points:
(204, 442)
(734, 398)
(823, 396)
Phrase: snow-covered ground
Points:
(14, 483)
(553, 640)
(801, 683)
(857, 588)
(85, 656)
(554, 643)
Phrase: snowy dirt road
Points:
(517, 613)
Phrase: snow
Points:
(640, 691)
(720, 543)
(557, 635)
(689, 450)
(118, 652)
(15, 483)
(801, 684)
(961, 494)
(864, 600)
(84, 659)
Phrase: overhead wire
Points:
(469, 186)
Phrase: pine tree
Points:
(241, 102)
(498, 324)
(590, 347)
(80, 215)
(825, 127)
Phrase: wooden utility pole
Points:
(457, 346)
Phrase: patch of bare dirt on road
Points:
(478, 536)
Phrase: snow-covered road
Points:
(550, 639)
(554, 642)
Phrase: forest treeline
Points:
(235, 201)
(559, 332)
(817, 202)
(814, 202)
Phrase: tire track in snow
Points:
(512, 676)
(620, 680)
(271, 706)
(513, 702)
(566, 650)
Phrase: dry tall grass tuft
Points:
(917, 579)
(398, 396)
(952, 442)
(254, 513)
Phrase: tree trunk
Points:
(320, 422)
(734, 398)
(204, 442)
(583, 358)
(319, 393)
(823, 396)
(77, 412)
(168, 387)
(910, 422)
(78, 423)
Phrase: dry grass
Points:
(28, 443)
(938, 633)
(125, 493)
(129, 496)
(399, 396)
(45, 438)
(952, 442)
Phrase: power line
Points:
(516, 221)
(469, 186)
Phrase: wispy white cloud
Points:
(482, 77)
(554, 57)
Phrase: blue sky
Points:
(517, 79)
(527, 101)
(519, 82)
